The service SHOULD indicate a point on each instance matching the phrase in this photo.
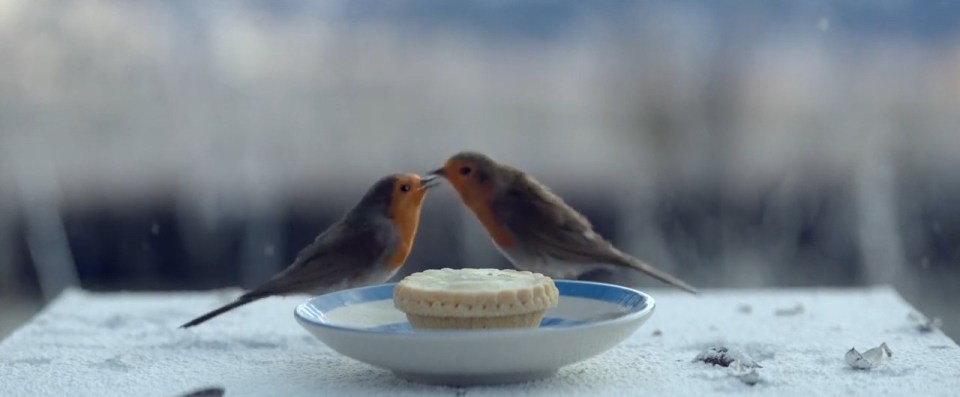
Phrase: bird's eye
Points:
(465, 170)
(405, 188)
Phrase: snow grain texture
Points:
(124, 344)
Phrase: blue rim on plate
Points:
(634, 304)
(363, 324)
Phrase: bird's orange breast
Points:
(497, 230)
(406, 223)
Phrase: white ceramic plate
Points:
(362, 323)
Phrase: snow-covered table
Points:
(128, 344)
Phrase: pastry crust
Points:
(475, 298)
(526, 320)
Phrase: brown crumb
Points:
(792, 311)
(716, 356)
(723, 356)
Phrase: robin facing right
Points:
(535, 229)
(367, 246)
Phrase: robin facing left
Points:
(367, 246)
(535, 229)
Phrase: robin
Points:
(535, 229)
(367, 246)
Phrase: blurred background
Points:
(180, 145)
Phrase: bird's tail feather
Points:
(242, 300)
(658, 274)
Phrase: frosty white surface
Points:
(127, 344)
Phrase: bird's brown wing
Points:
(549, 228)
(546, 226)
(342, 252)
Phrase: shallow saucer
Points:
(362, 323)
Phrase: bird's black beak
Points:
(437, 172)
(432, 179)
(429, 181)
